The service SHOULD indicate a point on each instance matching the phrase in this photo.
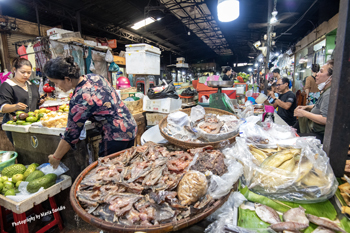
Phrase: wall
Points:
(322, 30)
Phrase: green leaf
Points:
(345, 224)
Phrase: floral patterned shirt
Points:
(96, 100)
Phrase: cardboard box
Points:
(155, 118)
(119, 60)
(166, 105)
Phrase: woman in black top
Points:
(18, 94)
(227, 74)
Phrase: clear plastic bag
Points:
(300, 174)
(197, 113)
(109, 57)
(192, 186)
(23, 193)
(179, 119)
(47, 168)
(221, 186)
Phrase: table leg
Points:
(2, 219)
(56, 214)
(23, 226)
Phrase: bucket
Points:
(261, 98)
(9, 162)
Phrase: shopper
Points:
(276, 74)
(311, 90)
(227, 74)
(93, 99)
(312, 118)
(17, 93)
(286, 101)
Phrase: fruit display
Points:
(13, 175)
(243, 77)
(63, 108)
(55, 120)
(23, 118)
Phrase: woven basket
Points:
(113, 227)
(189, 145)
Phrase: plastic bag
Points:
(221, 186)
(46, 168)
(113, 67)
(192, 186)
(168, 92)
(109, 57)
(301, 174)
(197, 113)
(189, 92)
(92, 66)
(23, 193)
(178, 118)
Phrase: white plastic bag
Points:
(178, 118)
(109, 57)
(47, 168)
(23, 193)
(197, 113)
(92, 66)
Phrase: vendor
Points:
(17, 93)
(93, 99)
(312, 118)
(286, 101)
(311, 90)
(227, 74)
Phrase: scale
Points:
(220, 100)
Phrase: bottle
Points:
(269, 113)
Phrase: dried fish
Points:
(267, 214)
(296, 215)
(288, 226)
(324, 223)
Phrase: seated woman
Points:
(312, 118)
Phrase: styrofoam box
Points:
(56, 31)
(142, 62)
(166, 105)
(16, 128)
(182, 65)
(142, 47)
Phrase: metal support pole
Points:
(337, 134)
(79, 21)
(268, 46)
(37, 17)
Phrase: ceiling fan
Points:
(275, 23)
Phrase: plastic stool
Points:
(23, 228)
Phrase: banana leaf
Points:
(322, 209)
(345, 224)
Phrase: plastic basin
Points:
(8, 162)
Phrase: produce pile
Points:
(149, 185)
(19, 173)
(48, 118)
(243, 77)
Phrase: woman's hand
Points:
(302, 107)
(54, 162)
(41, 101)
(20, 106)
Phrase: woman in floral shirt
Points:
(93, 99)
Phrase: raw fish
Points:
(324, 223)
(267, 214)
(296, 215)
(322, 230)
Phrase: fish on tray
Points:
(139, 186)
(323, 222)
(296, 215)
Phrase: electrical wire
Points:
(297, 20)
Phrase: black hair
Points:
(60, 67)
(330, 69)
(285, 80)
(227, 68)
(276, 71)
(269, 88)
(19, 62)
(273, 84)
(315, 68)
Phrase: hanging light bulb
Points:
(274, 19)
(228, 10)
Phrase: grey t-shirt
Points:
(321, 108)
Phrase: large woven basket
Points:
(188, 145)
(113, 227)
